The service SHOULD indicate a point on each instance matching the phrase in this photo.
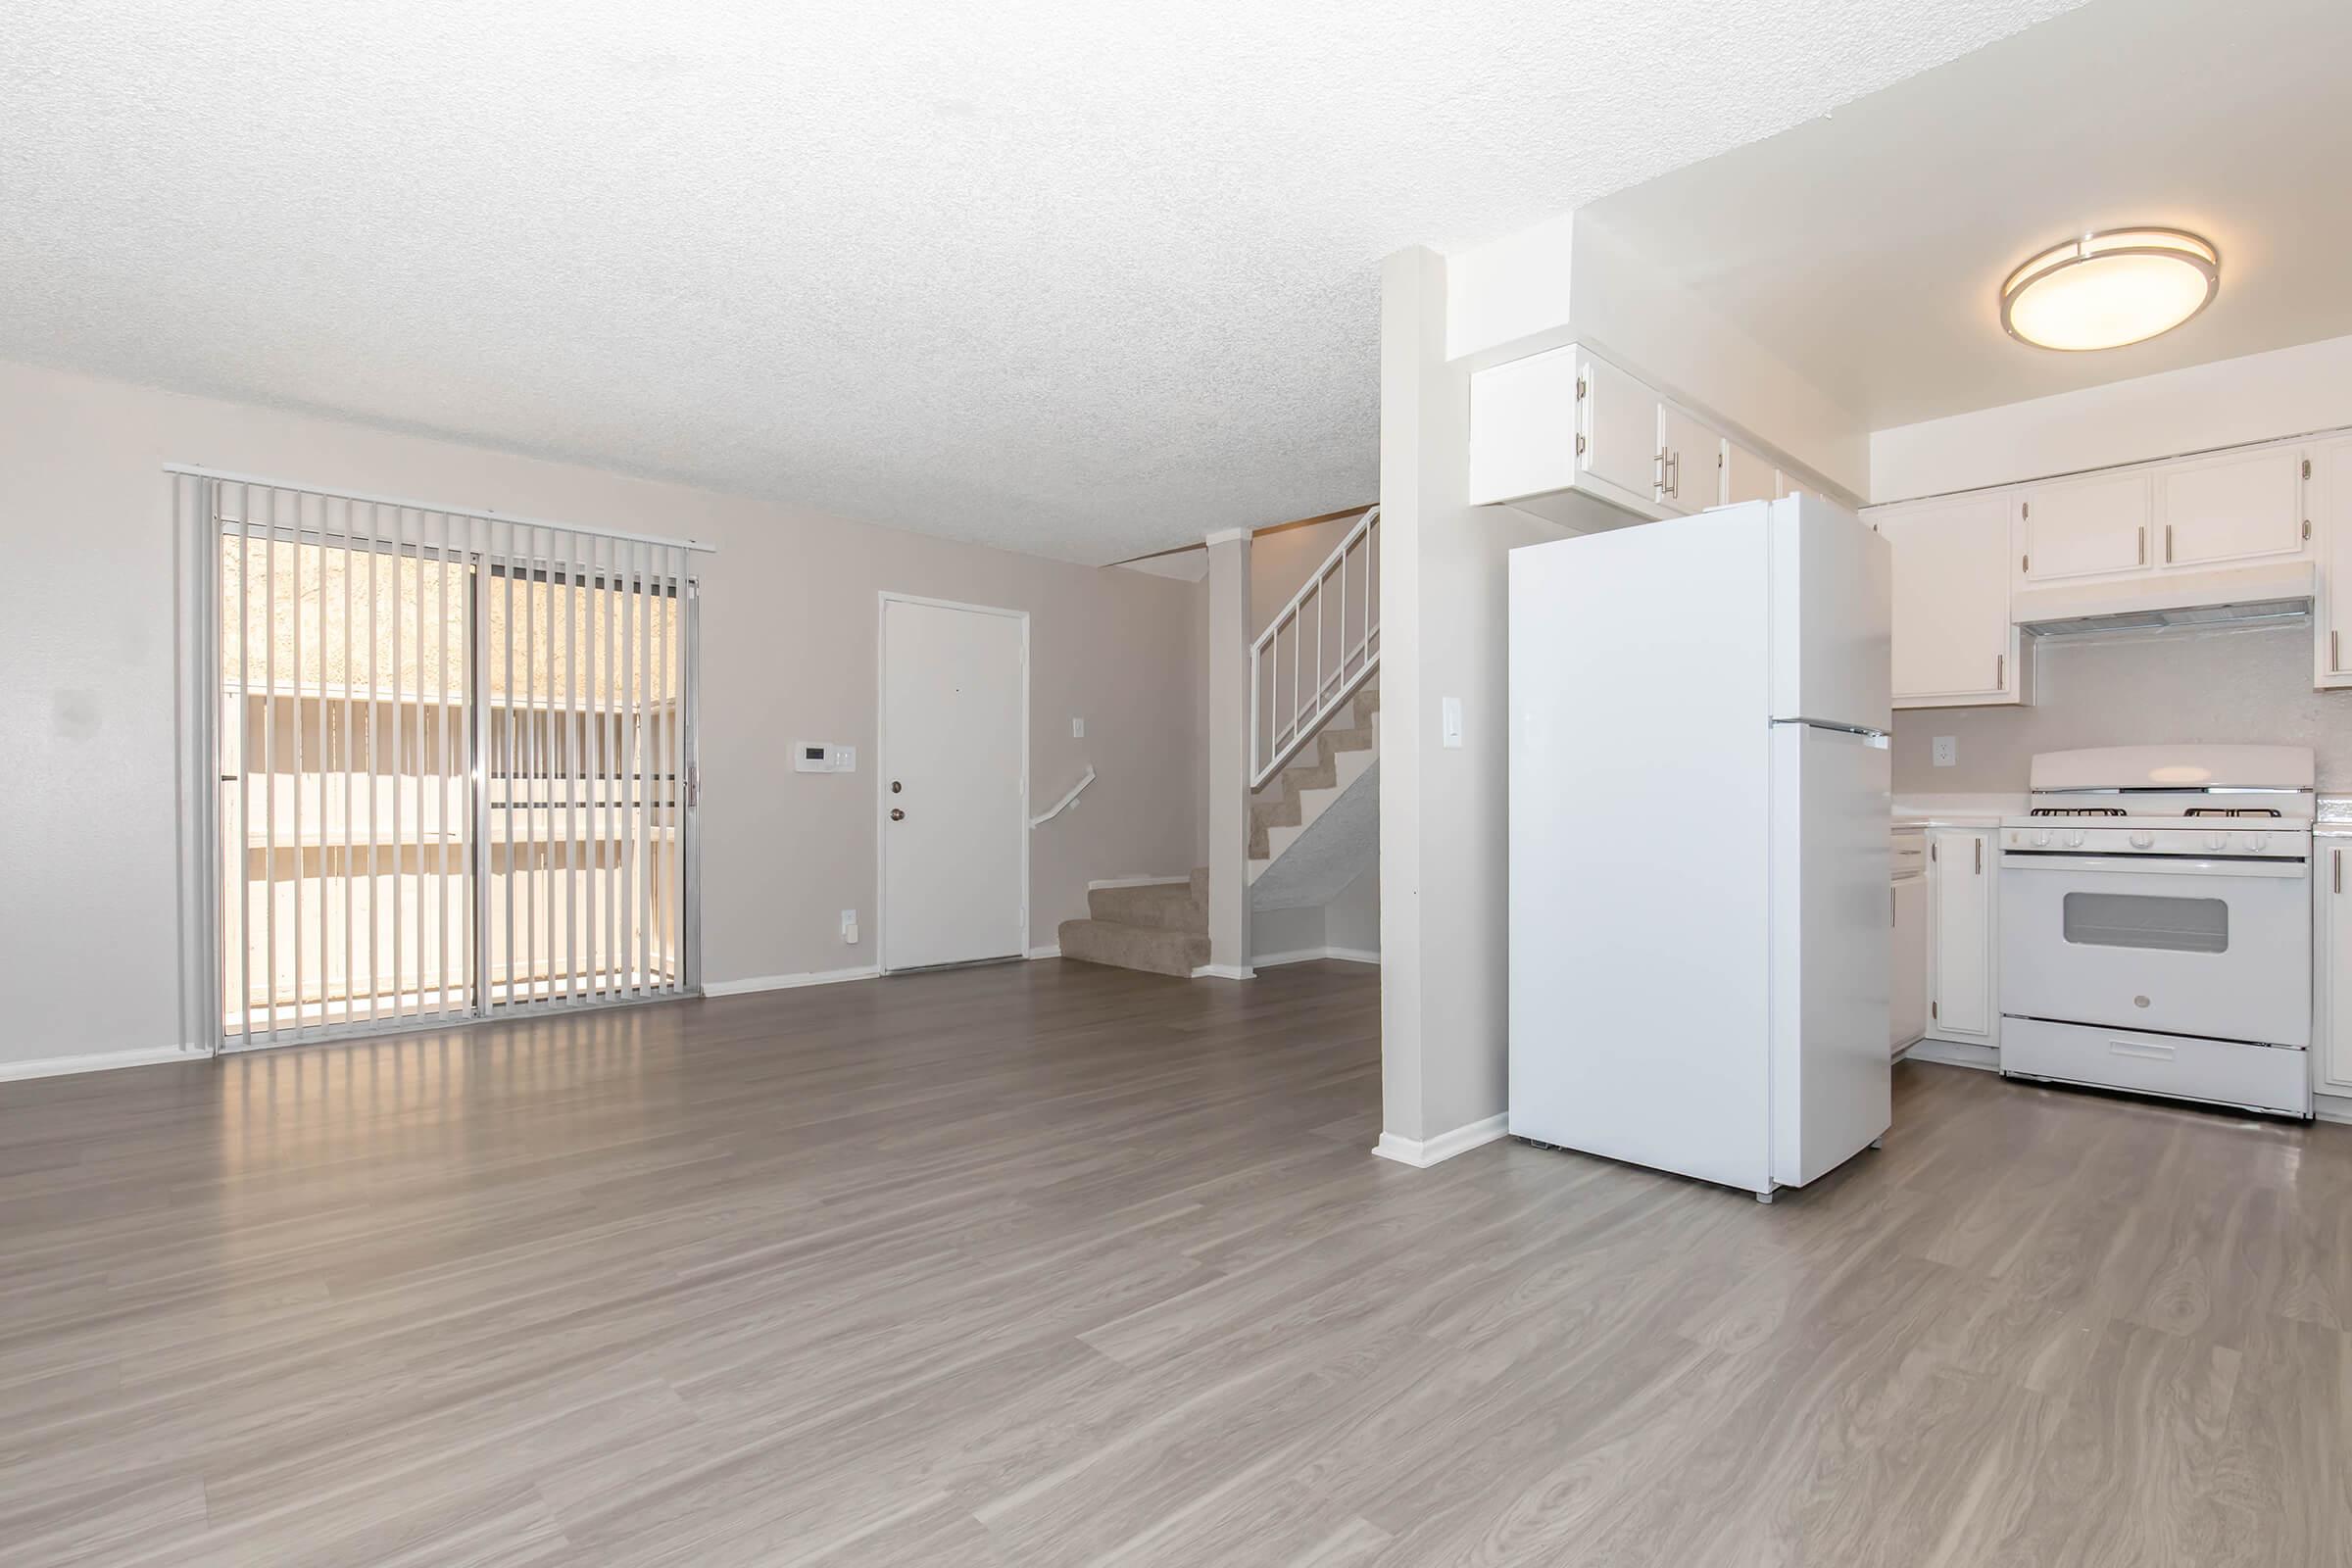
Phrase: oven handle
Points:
(2153, 866)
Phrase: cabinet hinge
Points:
(2306, 527)
(2025, 563)
(1932, 854)
(1580, 389)
(2025, 508)
(1931, 1012)
(2306, 468)
(1579, 446)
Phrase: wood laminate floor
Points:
(1051, 1264)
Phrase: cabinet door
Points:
(1747, 476)
(2083, 527)
(1952, 637)
(1960, 870)
(1907, 1017)
(2332, 877)
(1693, 476)
(2235, 507)
(1620, 427)
(2330, 499)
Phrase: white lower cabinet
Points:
(1907, 1012)
(2331, 927)
(1961, 1002)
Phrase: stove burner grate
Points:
(2076, 810)
(2232, 811)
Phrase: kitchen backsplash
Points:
(2250, 686)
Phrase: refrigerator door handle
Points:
(1862, 732)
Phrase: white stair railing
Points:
(1316, 651)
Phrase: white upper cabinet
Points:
(2331, 502)
(2241, 505)
(1954, 643)
(1689, 462)
(2083, 527)
(1553, 426)
(1620, 427)
(1748, 476)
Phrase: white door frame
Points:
(882, 599)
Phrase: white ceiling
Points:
(1868, 248)
(1074, 276)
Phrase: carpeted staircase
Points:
(1325, 768)
(1162, 927)
(1159, 927)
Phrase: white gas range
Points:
(2156, 924)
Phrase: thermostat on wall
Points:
(815, 756)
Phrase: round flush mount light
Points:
(2104, 290)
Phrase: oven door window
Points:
(2137, 920)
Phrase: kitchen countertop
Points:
(1972, 810)
(2334, 817)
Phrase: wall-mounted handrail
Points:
(1068, 801)
(1283, 719)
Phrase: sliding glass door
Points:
(455, 766)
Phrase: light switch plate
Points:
(1450, 723)
(1077, 729)
(1947, 751)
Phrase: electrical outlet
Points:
(1947, 751)
(1077, 729)
(848, 926)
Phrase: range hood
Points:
(2228, 596)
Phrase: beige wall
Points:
(88, 846)
(2251, 687)
(1279, 560)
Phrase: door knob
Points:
(897, 815)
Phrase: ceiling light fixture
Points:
(2104, 290)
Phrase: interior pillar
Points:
(1229, 754)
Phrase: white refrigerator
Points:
(1700, 927)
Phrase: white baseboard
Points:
(2331, 1107)
(1053, 952)
(1270, 961)
(95, 1062)
(1225, 971)
(1136, 882)
(1955, 1054)
(1429, 1150)
(786, 982)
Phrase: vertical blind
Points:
(455, 770)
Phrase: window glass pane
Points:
(2133, 920)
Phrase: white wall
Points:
(2262, 396)
(1443, 811)
(87, 640)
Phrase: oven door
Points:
(2214, 948)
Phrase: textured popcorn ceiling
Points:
(1085, 279)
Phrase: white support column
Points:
(1444, 848)
(1229, 754)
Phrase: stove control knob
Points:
(2041, 838)
(2217, 841)
(2255, 841)
(2143, 839)
(2073, 840)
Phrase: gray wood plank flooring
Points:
(1049, 1263)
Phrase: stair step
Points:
(1134, 947)
(1163, 906)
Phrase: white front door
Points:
(954, 783)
